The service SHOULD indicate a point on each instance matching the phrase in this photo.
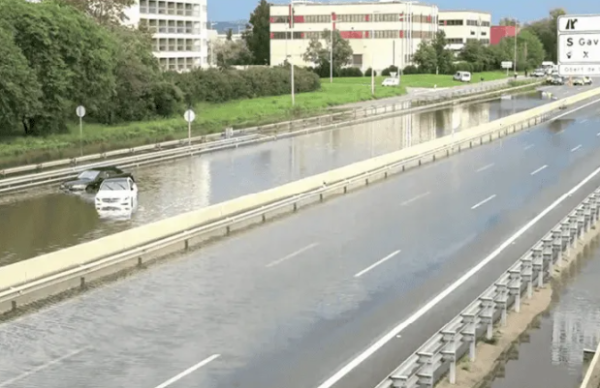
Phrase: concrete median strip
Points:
(74, 267)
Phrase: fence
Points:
(179, 148)
(439, 355)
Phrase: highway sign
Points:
(575, 70)
(507, 64)
(189, 115)
(80, 111)
(578, 23)
(578, 45)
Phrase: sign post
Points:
(80, 113)
(189, 116)
(507, 65)
(578, 45)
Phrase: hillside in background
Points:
(223, 27)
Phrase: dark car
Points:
(90, 180)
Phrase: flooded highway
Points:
(550, 354)
(45, 220)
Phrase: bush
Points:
(368, 72)
(389, 70)
(411, 69)
(350, 72)
(220, 86)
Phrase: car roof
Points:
(106, 168)
(116, 179)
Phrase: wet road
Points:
(45, 221)
(289, 303)
(552, 357)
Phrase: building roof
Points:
(334, 2)
(463, 11)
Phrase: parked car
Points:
(587, 81)
(90, 180)
(578, 81)
(462, 76)
(391, 82)
(538, 73)
(118, 194)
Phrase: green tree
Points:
(444, 57)
(20, 89)
(103, 11)
(230, 53)
(426, 57)
(258, 36)
(320, 54)
(545, 30)
(530, 51)
(507, 21)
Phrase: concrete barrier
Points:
(54, 272)
(151, 154)
(592, 375)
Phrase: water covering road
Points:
(552, 356)
(43, 221)
(289, 303)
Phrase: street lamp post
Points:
(291, 50)
(331, 52)
(515, 54)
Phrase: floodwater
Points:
(550, 353)
(45, 220)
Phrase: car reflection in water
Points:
(117, 198)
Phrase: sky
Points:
(523, 10)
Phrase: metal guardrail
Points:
(245, 137)
(261, 214)
(426, 366)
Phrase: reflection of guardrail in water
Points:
(248, 136)
(69, 278)
(458, 338)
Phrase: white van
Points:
(462, 76)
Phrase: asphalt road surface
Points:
(291, 303)
(58, 220)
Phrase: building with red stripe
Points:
(382, 33)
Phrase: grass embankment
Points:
(212, 118)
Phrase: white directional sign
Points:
(578, 45)
(507, 64)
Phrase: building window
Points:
(485, 24)
(485, 41)
(357, 60)
(386, 17)
(472, 32)
(454, 40)
(313, 35)
(472, 23)
(355, 18)
(280, 19)
(483, 33)
(317, 19)
(386, 34)
(451, 22)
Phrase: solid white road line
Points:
(450, 289)
(415, 198)
(528, 147)
(41, 368)
(485, 167)
(484, 201)
(574, 110)
(364, 271)
(188, 371)
(576, 148)
(539, 169)
(293, 254)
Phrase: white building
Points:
(380, 33)
(179, 28)
(463, 26)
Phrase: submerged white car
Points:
(117, 194)
(391, 82)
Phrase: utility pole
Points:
(331, 51)
(291, 50)
(516, 38)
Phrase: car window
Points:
(115, 185)
(90, 174)
(104, 174)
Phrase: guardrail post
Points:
(548, 252)
(594, 208)
(502, 301)
(514, 287)
(449, 353)
(580, 222)
(538, 265)
(527, 274)
(557, 243)
(573, 228)
(426, 376)
(469, 333)
(565, 227)
(487, 316)
(399, 381)
(587, 215)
